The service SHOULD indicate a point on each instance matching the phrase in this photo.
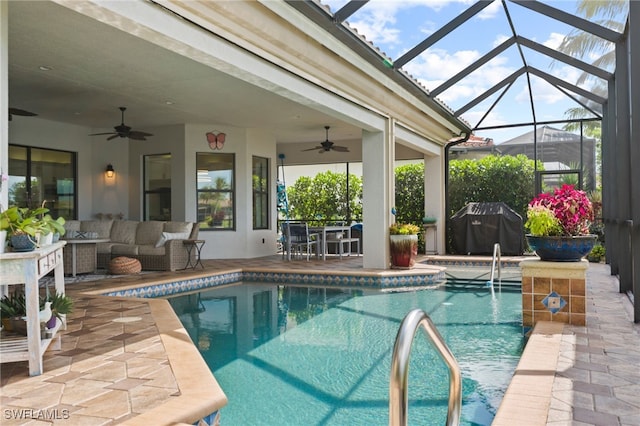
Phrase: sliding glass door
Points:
(39, 174)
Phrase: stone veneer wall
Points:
(553, 291)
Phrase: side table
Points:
(190, 244)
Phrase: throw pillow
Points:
(166, 236)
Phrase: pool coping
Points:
(201, 397)
(529, 393)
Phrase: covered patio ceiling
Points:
(70, 68)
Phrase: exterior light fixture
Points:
(110, 172)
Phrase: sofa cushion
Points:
(104, 247)
(71, 225)
(124, 231)
(80, 235)
(124, 250)
(150, 250)
(178, 227)
(166, 236)
(148, 232)
(102, 227)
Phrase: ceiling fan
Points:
(124, 131)
(18, 111)
(327, 145)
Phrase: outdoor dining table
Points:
(328, 229)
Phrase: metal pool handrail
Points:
(399, 381)
(496, 258)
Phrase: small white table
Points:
(27, 268)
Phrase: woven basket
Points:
(124, 266)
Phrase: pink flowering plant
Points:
(564, 212)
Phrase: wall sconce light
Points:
(110, 172)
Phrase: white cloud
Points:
(435, 66)
(491, 11)
(500, 38)
(554, 40)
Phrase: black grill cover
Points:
(478, 226)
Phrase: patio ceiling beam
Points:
(348, 9)
(570, 19)
(446, 29)
(559, 56)
(490, 92)
(559, 82)
(474, 66)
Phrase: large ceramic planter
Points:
(404, 249)
(562, 249)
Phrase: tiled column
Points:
(553, 291)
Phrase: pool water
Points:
(287, 355)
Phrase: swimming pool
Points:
(287, 355)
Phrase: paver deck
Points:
(127, 361)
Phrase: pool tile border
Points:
(375, 281)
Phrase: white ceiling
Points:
(95, 69)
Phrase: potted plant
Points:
(61, 304)
(25, 227)
(53, 227)
(558, 223)
(22, 225)
(403, 245)
(12, 307)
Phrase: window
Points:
(260, 177)
(38, 174)
(157, 187)
(216, 191)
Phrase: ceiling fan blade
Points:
(139, 133)
(340, 148)
(313, 149)
(124, 131)
(137, 136)
(18, 111)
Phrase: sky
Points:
(396, 26)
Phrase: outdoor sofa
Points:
(159, 246)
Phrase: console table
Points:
(26, 268)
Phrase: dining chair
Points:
(298, 239)
(343, 239)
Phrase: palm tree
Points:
(582, 45)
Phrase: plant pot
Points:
(18, 325)
(562, 249)
(7, 324)
(404, 249)
(45, 239)
(51, 324)
(23, 242)
(3, 240)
